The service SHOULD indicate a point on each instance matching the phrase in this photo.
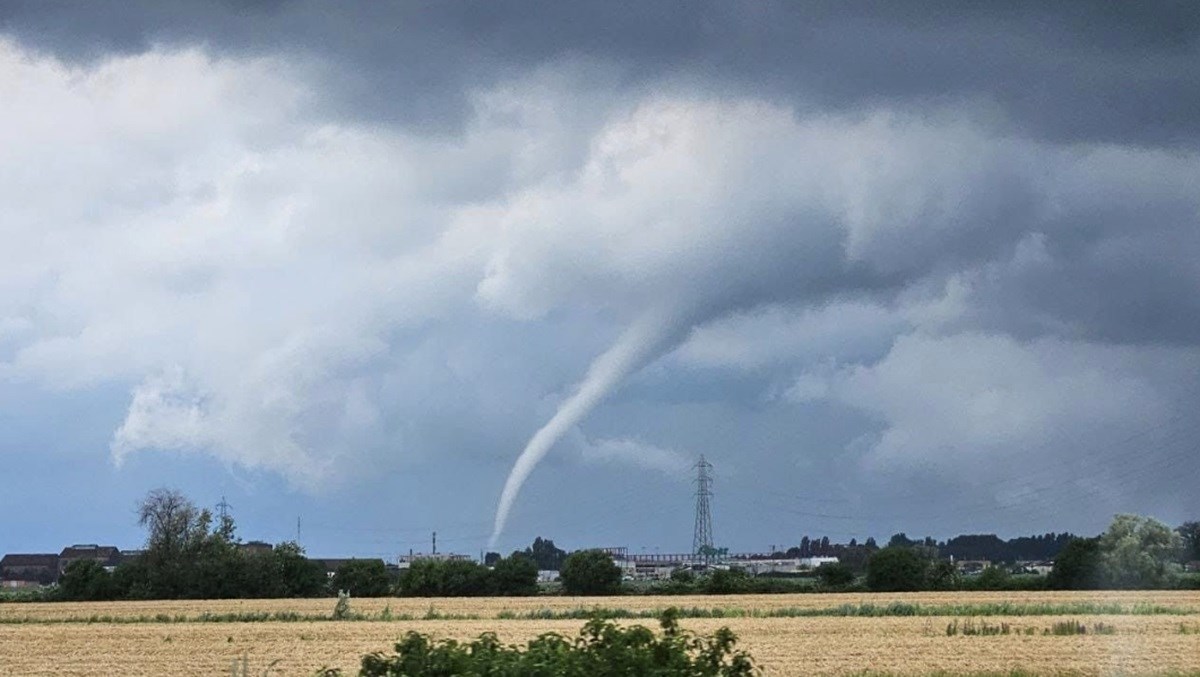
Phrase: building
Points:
(332, 564)
(255, 548)
(1035, 567)
(646, 566)
(25, 570)
(815, 562)
(972, 566)
(107, 556)
(405, 561)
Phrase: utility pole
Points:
(435, 542)
(702, 540)
(297, 530)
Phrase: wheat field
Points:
(490, 607)
(33, 642)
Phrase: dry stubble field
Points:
(49, 639)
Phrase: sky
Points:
(919, 267)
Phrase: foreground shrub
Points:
(602, 649)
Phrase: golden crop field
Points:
(489, 607)
(35, 641)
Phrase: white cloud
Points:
(636, 453)
(949, 402)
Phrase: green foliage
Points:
(85, 579)
(1189, 534)
(1138, 552)
(545, 555)
(602, 649)
(835, 575)
(1077, 567)
(726, 582)
(993, 578)
(942, 575)
(683, 575)
(514, 576)
(363, 578)
(897, 569)
(590, 572)
(187, 557)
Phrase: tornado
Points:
(640, 343)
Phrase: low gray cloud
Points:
(1122, 72)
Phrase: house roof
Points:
(106, 553)
(29, 560)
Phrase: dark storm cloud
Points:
(1118, 72)
(902, 244)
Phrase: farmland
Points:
(788, 634)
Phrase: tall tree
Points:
(1190, 533)
(897, 569)
(1138, 552)
(170, 519)
(1077, 566)
(362, 578)
(590, 572)
(545, 554)
(514, 576)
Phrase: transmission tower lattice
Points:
(702, 540)
(223, 509)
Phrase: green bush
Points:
(1077, 567)
(683, 575)
(590, 572)
(602, 649)
(452, 578)
(514, 576)
(726, 582)
(362, 578)
(86, 579)
(993, 578)
(835, 575)
(897, 569)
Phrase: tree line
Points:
(1135, 552)
(189, 555)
